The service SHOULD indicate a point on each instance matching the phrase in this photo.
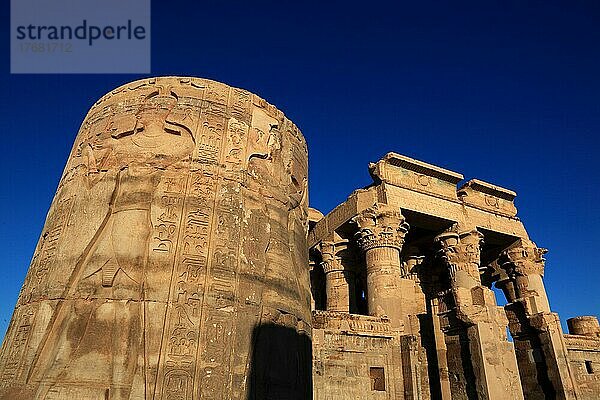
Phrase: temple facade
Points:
(402, 278)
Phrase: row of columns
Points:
(380, 235)
(475, 324)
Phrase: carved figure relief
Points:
(185, 204)
(113, 264)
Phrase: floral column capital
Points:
(380, 226)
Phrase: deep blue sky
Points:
(503, 91)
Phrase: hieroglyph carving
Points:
(182, 206)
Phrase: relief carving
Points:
(380, 226)
(181, 217)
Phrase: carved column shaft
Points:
(338, 291)
(381, 236)
(461, 254)
(524, 266)
(383, 266)
(339, 285)
(508, 287)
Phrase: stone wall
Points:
(584, 357)
(355, 357)
(583, 346)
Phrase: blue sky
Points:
(503, 91)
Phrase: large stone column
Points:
(540, 347)
(173, 261)
(461, 254)
(524, 264)
(338, 277)
(477, 347)
(381, 231)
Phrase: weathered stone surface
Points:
(583, 348)
(172, 264)
(488, 197)
(586, 325)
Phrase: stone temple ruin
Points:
(180, 261)
(401, 276)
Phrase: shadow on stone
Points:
(281, 366)
(428, 343)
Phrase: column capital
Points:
(522, 259)
(380, 226)
(335, 255)
(411, 263)
(461, 251)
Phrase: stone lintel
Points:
(491, 189)
(410, 200)
(420, 176)
(422, 167)
(489, 197)
(397, 178)
(477, 217)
